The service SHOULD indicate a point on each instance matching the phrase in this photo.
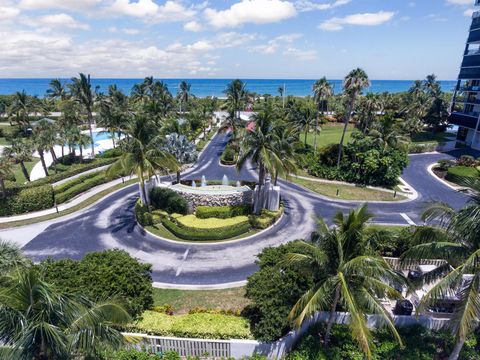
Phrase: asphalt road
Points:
(110, 224)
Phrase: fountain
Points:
(194, 184)
(204, 181)
(225, 180)
(238, 183)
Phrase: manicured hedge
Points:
(27, 200)
(191, 222)
(265, 219)
(79, 185)
(168, 200)
(144, 217)
(206, 234)
(229, 156)
(200, 325)
(222, 212)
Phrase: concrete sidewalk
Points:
(75, 201)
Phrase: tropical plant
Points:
(11, 258)
(322, 92)
(353, 85)
(57, 90)
(368, 110)
(181, 149)
(142, 154)
(346, 275)
(20, 110)
(237, 97)
(6, 171)
(387, 133)
(302, 118)
(184, 94)
(20, 152)
(455, 238)
(81, 90)
(38, 323)
(42, 141)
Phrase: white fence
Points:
(273, 350)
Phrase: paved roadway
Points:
(110, 224)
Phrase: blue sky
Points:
(390, 39)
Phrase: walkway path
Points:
(110, 224)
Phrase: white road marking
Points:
(407, 219)
(184, 257)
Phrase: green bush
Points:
(418, 148)
(111, 153)
(265, 219)
(273, 293)
(198, 325)
(168, 200)
(467, 160)
(222, 212)
(101, 275)
(78, 186)
(420, 344)
(144, 217)
(445, 164)
(27, 200)
(206, 234)
(229, 156)
(191, 222)
(133, 354)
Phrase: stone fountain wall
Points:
(209, 199)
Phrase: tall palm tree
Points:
(20, 152)
(142, 153)
(353, 85)
(322, 92)
(457, 240)
(388, 134)
(302, 118)
(57, 90)
(81, 90)
(6, 171)
(237, 96)
(20, 109)
(184, 94)
(347, 276)
(285, 147)
(368, 112)
(281, 91)
(114, 112)
(38, 323)
(259, 145)
(41, 142)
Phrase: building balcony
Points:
(467, 101)
(472, 58)
(468, 120)
(472, 73)
(474, 36)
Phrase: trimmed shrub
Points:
(466, 160)
(80, 185)
(417, 148)
(445, 164)
(144, 217)
(206, 234)
(222, 212)
(191, 222)
(111, 153)
(229, 156)
(199, 325)
(133, 354)
(168, 200)
(265, 219)
(27, 200)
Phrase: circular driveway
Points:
(110, 224)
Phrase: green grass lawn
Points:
(346, 192)
(184, 300)
(17, 171)
(330, 134)
(429, 137)
(464, 171)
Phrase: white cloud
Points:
(58, 4)
(7, 12)
(128, 31)
(58, 20)
(274, 44)
(305, 55)
(305, 5)
(193, 26)
(460, 2)
(251, 11)
(148, 9)
(366, 19)
(469, 12)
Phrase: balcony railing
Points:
(467, 101)
(469, 88)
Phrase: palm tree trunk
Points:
(347, 121)
(113, 139)
(54, 156)
(457, 349)
(315, 136)
(81, 153)
(90, 119)
(42, 159)
(4, 191)
(178, 176)
(24, 170)
(63, 151)
(328, 331)
(142, 185)
(306, 132)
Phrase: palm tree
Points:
(347, 276)
(353, 85)
(322, 91)
(114, 111)
(20, 109)
(38, 323)
(184, 94)
(142, 153)
(285, 147)
(11, 257)
(259, 145)
(57, 90)
(281, 91)
(457, 240)
(6, 171)
(303, 118)
(368, 112)
(181, 149)
(20, 152)
(387, 133)
(41, 142)
(81, 90)
(237, 97)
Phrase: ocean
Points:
(214, 87)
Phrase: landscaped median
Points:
(457, 172)
(168, 218)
